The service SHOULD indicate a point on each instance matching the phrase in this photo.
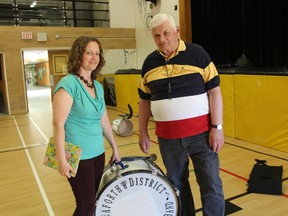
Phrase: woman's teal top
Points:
(83, 125)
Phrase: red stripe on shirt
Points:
(183, 128)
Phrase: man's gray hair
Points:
(160, 18)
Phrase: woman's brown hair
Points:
(76, 56)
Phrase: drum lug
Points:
(119, 176)
(154, 172)
(177, 192)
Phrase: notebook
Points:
(73, 154)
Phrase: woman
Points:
(80, 117)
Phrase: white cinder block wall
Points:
(136, 14)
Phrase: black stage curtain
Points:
(253, 32)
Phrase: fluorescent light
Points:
(33, 4)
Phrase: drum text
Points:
(128, 184)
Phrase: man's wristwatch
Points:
(218, 127)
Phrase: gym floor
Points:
(29, 188)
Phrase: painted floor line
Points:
(17, 148)
(42, 191)
(43, 135)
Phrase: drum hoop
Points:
(142, 171)
(144, 159)
(129, 159)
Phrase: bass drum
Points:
(140, 188)
(122, 126)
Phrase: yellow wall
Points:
(255, 109)
(227, 88)
(11, 45)
(126, 91)
(261, 110)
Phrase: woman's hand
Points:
(115, 157)
(64, 168)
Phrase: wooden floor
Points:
(29, 188)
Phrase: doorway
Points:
(37, 80)
(41, 76)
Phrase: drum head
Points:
(122, 127)
(139, 193)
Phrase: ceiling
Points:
(33, 13)
(28, 2)
(35, 56)
(54, 13)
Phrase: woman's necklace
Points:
(86, 81)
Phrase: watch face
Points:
(219, 127)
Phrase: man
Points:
(181, 86)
